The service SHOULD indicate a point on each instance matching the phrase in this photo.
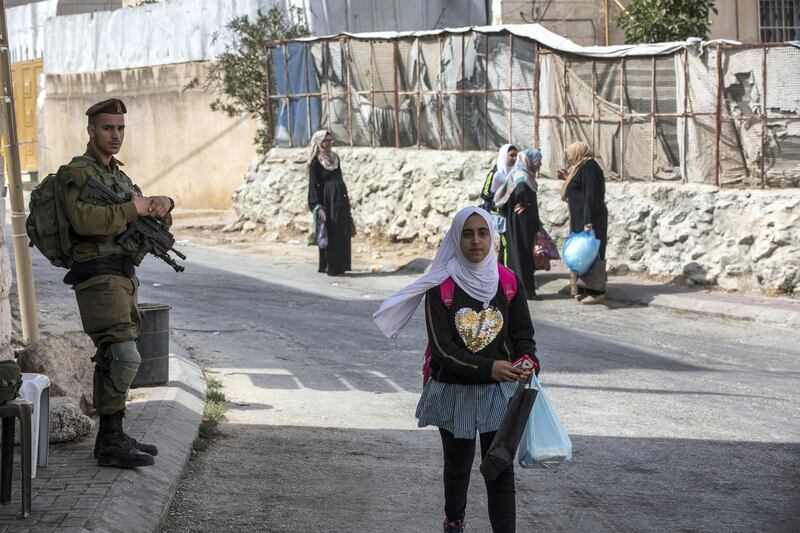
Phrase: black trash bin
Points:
(153, 345)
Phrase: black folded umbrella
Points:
(504, 446)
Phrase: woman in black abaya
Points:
(518, 202)
(328, 200)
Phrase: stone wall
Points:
(736, 239)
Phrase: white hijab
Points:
(503, 168)
(479, 280)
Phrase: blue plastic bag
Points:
(580, 251)
(545, 443)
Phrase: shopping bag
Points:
(580, 251)
(595, 278)
(544, 443)
(504, 446)
(543, 244)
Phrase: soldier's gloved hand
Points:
(142, 204)
(159, 206)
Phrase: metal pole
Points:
(346, 44)
(396, 52)
(510, 85)
(719, 111)
(594, 102)
(308, 90)
(486, 97)
(268, 110)
(605, 12)
(326, 52)
(439, 96)
(373, 127)
(419, 94)
(764, 119)
(653, 122)
(536, 78)
(564, 110)
(463, 96)
(288, 100)
(685, 114)
(622, 120)
(22, 252)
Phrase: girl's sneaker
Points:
(453, 526)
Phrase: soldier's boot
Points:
(149, 449)
(115, 448)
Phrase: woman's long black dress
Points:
(521, 230)
(327, 189)
(586, 200)
(587, 205)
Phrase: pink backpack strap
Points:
(508, 280)
(446, 290)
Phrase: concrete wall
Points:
(737, 239)
(583, 21)
(174, 144)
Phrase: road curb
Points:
(140, 498)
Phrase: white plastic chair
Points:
(36, 389)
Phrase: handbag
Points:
(595, 278)
(544, 443)
(504, 445)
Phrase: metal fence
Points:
(719, 114)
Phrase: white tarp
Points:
(26, 29)
(180, 31)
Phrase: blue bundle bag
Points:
(544, 443)
(322, 235)
(580, 251)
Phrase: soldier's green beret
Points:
(114, 106)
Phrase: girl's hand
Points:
(321, 215)
(587, 228)
(562, 174)
(519, 209)
(505, 371)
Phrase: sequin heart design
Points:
(478, 330)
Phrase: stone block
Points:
(67, 421)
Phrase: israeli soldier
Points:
(104, 279)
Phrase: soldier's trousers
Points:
(110, 316)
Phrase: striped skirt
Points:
(461, 409)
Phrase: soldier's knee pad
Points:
(124, 363)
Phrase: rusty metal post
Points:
(373, 126)
(268, 90)
(764, 118)
(565, 103)
(439, 97)
(684, 170)
(288, 100)
(396, 53)
(536, 78)
(622, 120)
(419, 94)
(486, 96)
(346, 44)
(510, 85)
(594, 102)
(719, 112)
(463, 94)
(308, 90)
(653, 121)
(326, 52)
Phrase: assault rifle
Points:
(153, 236)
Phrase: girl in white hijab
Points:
(475, 335)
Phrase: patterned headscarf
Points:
(327, 158)
(578, 153)
(521, 173)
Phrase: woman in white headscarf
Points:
(328, 200)
(517, 200)
(474, 338)
(506, 157)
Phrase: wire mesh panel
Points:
(782, 121)
(701, 134)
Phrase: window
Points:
(779, 20)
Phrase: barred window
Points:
(779, 20)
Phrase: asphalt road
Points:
(678, 422)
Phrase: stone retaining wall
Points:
(736, 239)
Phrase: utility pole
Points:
(22, 252)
